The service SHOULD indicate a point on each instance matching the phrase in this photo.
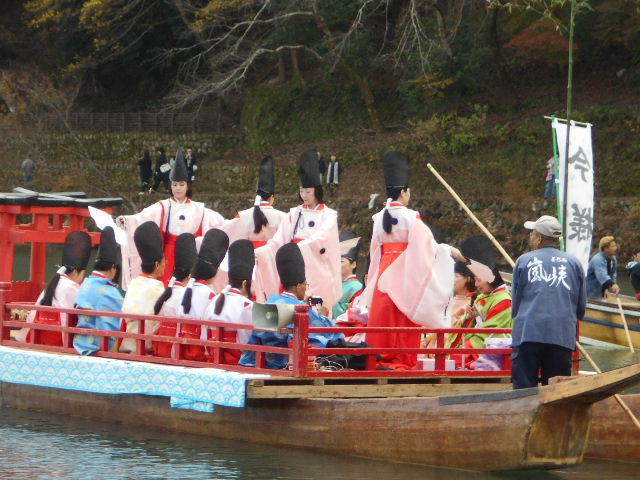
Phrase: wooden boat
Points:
(542, 427)
(612, 434)
(456, 419)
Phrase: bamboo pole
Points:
(506, 256)
(618, 398)
(593, 364)
(624, 322)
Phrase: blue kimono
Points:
(275, 339)
(601, 274)
(97, 293)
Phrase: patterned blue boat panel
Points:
(192, 388)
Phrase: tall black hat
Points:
(179, 170)
(76, 250)
(148, 240)
(290, 265)
(396, 169)
(349, 245)
(309, 169)
(478, 250)
(108, 250)
(242, 259)
(185, 253)
(266, 177)
(212, 251)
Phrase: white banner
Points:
(579, 210)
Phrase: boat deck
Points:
(281, 387)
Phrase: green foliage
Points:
(298, 113)
(449, 133)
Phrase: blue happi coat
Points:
(275, 339)
(97, 293)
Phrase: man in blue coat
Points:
(290, 264)
(603, 268)
(99, 291)
(548, 297)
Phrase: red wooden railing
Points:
(301, 355)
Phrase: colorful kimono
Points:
(170, 308)
(201, 297)
(140, 298)
(173, 218)
(97, 293)
(350, 286)
(242, 227)
(495, 312)
(236, 309)
(64, 297)
(316, 233)
(275, 339)
(409, 284)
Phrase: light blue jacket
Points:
(598, 277)
(97, 293)
(548, 297)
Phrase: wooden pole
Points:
(624, 322)
(506, 256)
(618, 398)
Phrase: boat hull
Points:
(498, 431)
(602, 321)
(613, 435)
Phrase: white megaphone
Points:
(272, 316)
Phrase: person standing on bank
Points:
(410, 279)
(549, 296)
(145, 171)
(334, 173)
(314, 227)
(191, 163)
(161, 171)
(603, 270)
(175, 215)
(28, 167)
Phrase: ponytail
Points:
(188, 293)
(387, 220)
(166, 295)
(50, 291)
(259, 219)
(220, 301)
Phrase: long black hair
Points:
(178, 275)
(50, 291)
(387, 219)
(259, 218)
(235, 283)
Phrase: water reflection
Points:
(43, 446)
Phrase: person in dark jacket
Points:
(634, 272)
(191, 163)
(145, 171)
(163, 168)
(549, 295)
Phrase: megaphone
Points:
(272, 316)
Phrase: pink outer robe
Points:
(186, 217)
(420, 280)
(242, 228)
(316, 232)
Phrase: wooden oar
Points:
(512, 263)
(506, 256)
(618, 398)
(624, 322)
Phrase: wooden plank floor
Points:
(373, 387)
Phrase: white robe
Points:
(64, 297)
(237, 309)
(141, 297)
(242, 227)
(317, 232)
(186, 217)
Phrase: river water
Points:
(37, 445)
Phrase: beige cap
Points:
(546, 225)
